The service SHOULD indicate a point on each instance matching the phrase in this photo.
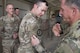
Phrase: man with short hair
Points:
(9, 29)
(29, 27)
(17, 11)
(70, 11)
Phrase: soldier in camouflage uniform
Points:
(17, 12)
(1, 34)
(16, 45)
(9, 29)
(70, 10)
(29, 27)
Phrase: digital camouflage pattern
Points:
(9, 26)
(28, 27)
(71, 42)
(16, 45)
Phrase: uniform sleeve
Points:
(16, 24)
(76, 33)
(1, 26)
(64, 48)
(18, 19)
(25, 33)
(22, 32)
(40, 49)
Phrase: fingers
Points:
(58, 26)
(34, 36)
(56, 33)
(34, 40)
(56, 29)
(15, 35)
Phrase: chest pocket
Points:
(8, 25)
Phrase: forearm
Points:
(39, 48)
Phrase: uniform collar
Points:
(9, 17)
(75, 23)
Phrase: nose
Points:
(60, 12)
(42, 13)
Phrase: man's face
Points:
(65, 11)
(17, 11)
(41, 9)
(10, 9)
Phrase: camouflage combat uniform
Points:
(28, 27)
(16, 45)
(9, 27)
(1, 34)
(71, 42)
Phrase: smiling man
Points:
(9, 29)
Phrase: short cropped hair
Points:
(73, 2)
(16, 8)
(9, 4)
(39, 1)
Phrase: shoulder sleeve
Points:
(22, 33)
(18, 18)
(25, 30)
(39, 48)
(1, 26)
(76, 32)
(16, 24)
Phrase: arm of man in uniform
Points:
(16, 27)
(26, 32)
(1, 27)
(22, 33)
(36, 43)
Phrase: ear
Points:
(6, 10)
(75, 11)
(35, 6)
